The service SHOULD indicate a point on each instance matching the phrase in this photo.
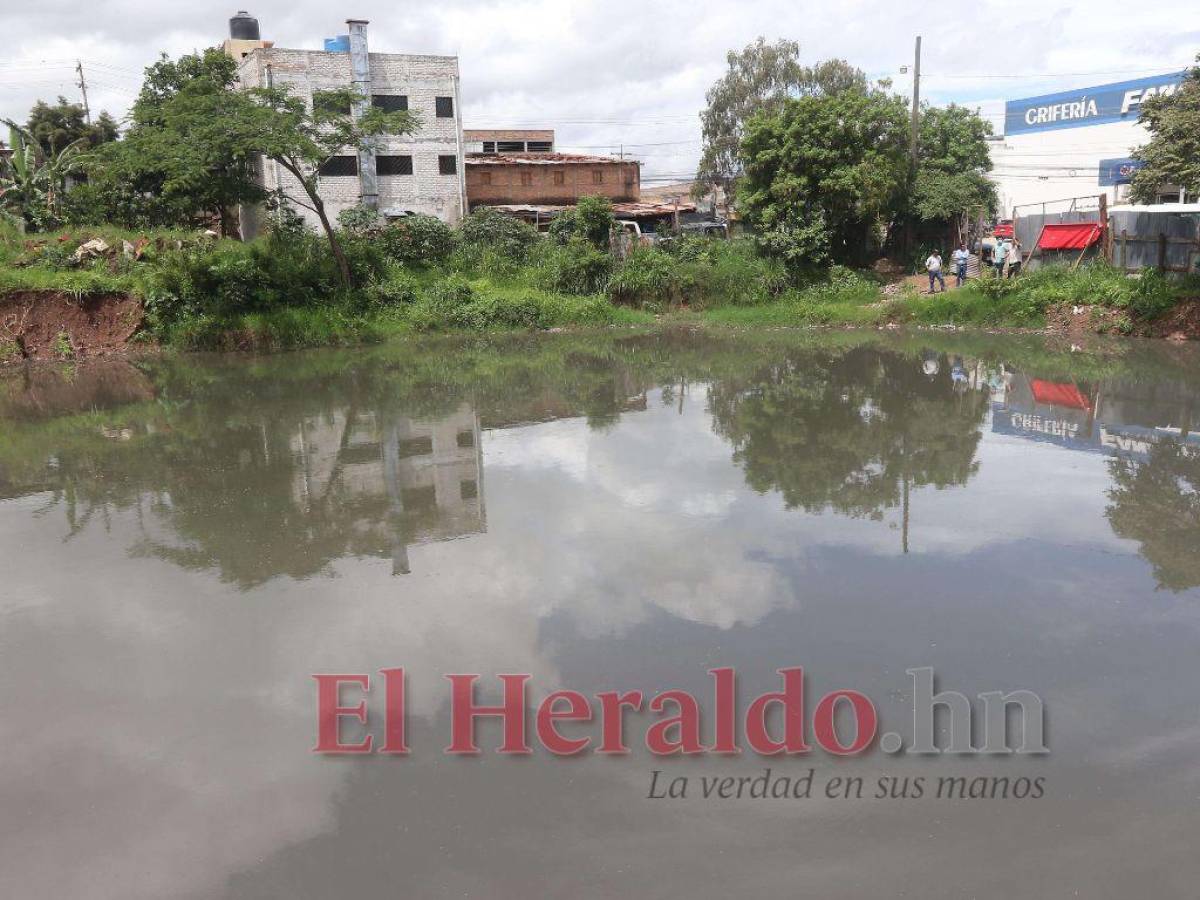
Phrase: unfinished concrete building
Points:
(422, 172)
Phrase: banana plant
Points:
(31, 181)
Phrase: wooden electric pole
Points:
(87, 110)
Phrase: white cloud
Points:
(611, 74)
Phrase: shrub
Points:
(591, 219)
(360, 220)
(578, 268)
(649, 278)
(394, 286)
(491, 230)
(417, 240)
(731, 272)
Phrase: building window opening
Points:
(390, 102)
(447, 165)
(393, 164)
(339, 167)
(330, 104)
(444, 107)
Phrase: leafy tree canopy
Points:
(759, 79)
(952, 162)
(822, 172)
(1173, 154)
(56, 126)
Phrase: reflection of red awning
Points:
(1069, 236)
(1054, 393)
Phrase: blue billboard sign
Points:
(1119, 102)
(1118, 171)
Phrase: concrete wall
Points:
(499, 182)
(421, 79)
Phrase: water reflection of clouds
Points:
(167, 749)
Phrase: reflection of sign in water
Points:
(1115, 418)
(1059, 428)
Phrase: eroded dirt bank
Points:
(56, 325)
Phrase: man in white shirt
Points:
(960, 257)
(998, 254)
(934, 266)
(1013, 260)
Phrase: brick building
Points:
(498, 179)
(421, 172)
(509, 140)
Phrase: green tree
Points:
(56, 126)
(175, 166)
(1173, 154)
(33, 182)
(759, 78)
(953, 161)
(823, 173)
(275, 123)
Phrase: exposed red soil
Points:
(1182, 323)
(1081, 321)
(55, 325)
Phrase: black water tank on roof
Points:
(244, 27)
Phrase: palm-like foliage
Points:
(31, 181)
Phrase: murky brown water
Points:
(184, 542)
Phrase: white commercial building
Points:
(422, 172)
(1075, 143)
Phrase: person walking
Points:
(1014, 257)
(960, 257)
(934, 266)
(999, 252)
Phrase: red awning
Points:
(1054, 393)
(1069, 236)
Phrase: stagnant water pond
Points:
(186, 541)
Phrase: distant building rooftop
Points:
(541, 159)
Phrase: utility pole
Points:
(87, 110)
(916, 104)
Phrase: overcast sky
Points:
(607, 74)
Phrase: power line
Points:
(1149, 70)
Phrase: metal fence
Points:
(1161, 240)
(1135, 238)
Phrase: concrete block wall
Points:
(421, 79)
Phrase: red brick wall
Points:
(502, 183)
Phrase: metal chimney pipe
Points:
(360, 77)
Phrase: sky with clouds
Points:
(616, 75)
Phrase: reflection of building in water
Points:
(429, 470)
(1118, 418)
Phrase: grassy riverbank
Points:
(494, 274)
